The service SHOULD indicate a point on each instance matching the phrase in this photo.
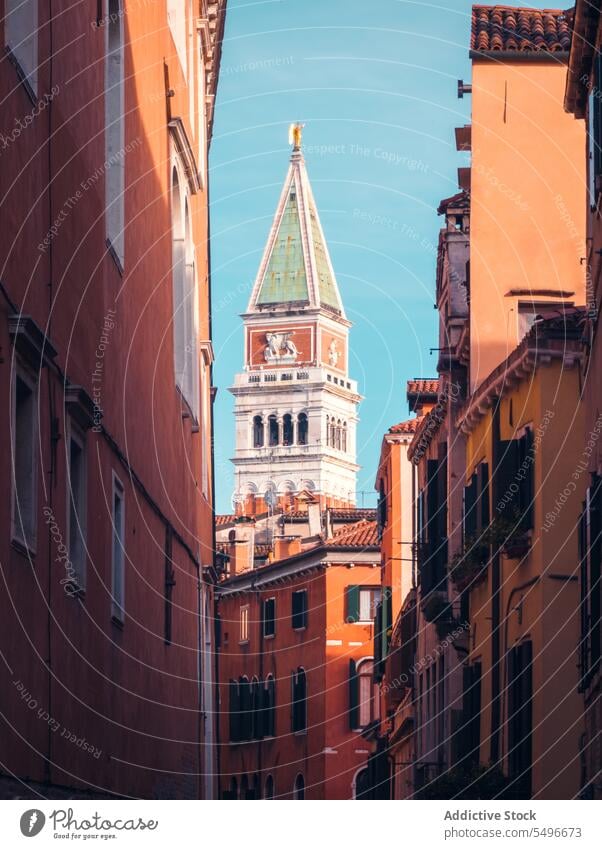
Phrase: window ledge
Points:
(269, 636)
(114, 256)
(299, 630)
(22, 76)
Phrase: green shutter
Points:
(354, 696)
(353, 604)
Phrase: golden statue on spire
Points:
(295, 132)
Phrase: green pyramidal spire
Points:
(296, 267)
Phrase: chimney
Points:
(286, 547)
(242, 546)
(314, 511)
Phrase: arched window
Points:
(299, 789)
(332, 431)
(302, 429)
(269, 788)
(361, 785)
(244, 787)
(299, 700)
(233, 794)
(338, 432)
(257, 709)
(258, 432)
(344, 443)
(234, 712)
(114, 130)
(246, 716)
(287, 430)
(273, 430)
(269, 706)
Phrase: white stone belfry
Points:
(295, 405)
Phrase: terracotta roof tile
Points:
(360, 535)
(506, 28)
(408, 426)
(423, 386)
(353, 514)
(224, 520)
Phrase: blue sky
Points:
(375, 84)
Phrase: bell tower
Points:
(295, 404)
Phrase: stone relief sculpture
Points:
(333, 353)
(280, 347)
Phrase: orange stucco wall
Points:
(528, 200)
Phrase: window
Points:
(24, 467)
(118, 564)
(590, 554)
(299, 701)
(244, 624)
(299, 789)
(364, 694)
(258, 432)
(299, 609)
(234, 711)
(520, 719)
(269, 617)
(115, 129)
(515, 479)
(257, 713)
(528, 313)
(302, 429)
(269, 788)
(273, 430)
(186, 359)
(76, 506)
(269, 707)
(245, 712)
(362, 785)
(287, 430)
(471, 712)
(176, 17)
(21, 38)
(362, 603)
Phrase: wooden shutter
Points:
(353, 604)
(526, 483)
(506, 476)
(483, 517)
(354, 696)
(470, 512)
(584, 612)
(432, 498)
(269, 617)
(299, 609)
